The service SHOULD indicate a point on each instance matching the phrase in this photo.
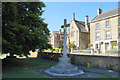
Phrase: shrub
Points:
(56, 49)
(114, 43)
(73, 46)
(53, 50)
(112, 51)
(90, 45)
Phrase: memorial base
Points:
(64, 68)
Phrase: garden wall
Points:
(107, 62)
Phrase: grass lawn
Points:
(108, 76)
(22, 68)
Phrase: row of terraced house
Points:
(102, 31)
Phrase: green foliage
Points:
(23, 28)
(73, 46)
(114, 43)
(90, 45)
(55, 50)
(112, 51)
(109, 76)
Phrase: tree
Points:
(23, 29)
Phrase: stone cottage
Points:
(79, 33)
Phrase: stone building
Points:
(105, 29)
(79, 33)
(57, 39)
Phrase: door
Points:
(107, 46)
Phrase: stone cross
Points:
(64, 42)
(69, 42)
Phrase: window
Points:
(97, 26)
(107, 24)
(97, 35)
(107, 34)
(119, 21)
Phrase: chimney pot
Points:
(59, 30)
(86, 23)
(86, 19)
(73, 16)
(99, 11)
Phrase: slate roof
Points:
(81, 26)
(107, 14)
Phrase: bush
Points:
(73, 46)
(90, 45)
(55, 49)
(114, 43)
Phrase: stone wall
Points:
(106, 62)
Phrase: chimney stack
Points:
(59, 31)
(99, 11)
(73, 16)
(86, 23)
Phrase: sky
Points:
(56, 12)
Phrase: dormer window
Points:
(107, 24)
(97, 26)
